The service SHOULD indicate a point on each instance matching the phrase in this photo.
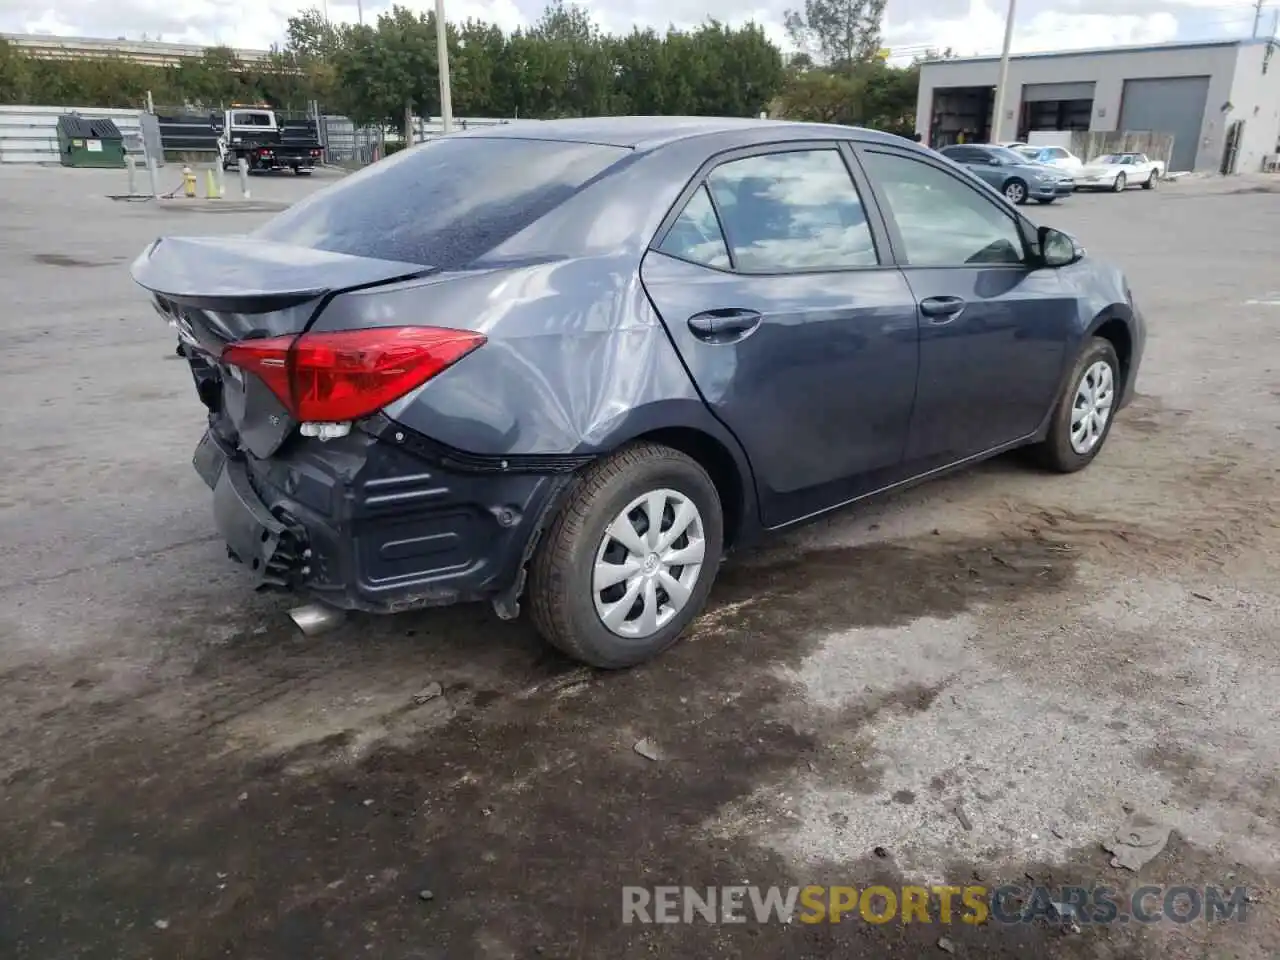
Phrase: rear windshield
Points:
(445, 203)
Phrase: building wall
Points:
(1255, 99)
(1108, 70)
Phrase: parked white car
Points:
(1059, 157)
(1117, 171)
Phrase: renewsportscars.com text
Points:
(970, 904)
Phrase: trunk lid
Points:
(219, 290)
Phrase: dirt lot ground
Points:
(184, 776)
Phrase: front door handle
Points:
(942, 309)
(721, 326)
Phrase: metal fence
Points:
(349, 145)
(1087, 144)
(30, 134)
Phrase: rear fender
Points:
(577, 364)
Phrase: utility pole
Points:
(442, 61)
(360, 12)
(998, 113)
(1257, 17)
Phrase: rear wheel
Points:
(1016, 191)
(1151, 181)
(629, 561)
(1120, 184)
(1082, 417)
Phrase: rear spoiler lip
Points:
(233, 280)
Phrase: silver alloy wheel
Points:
(648, 563)
(1015, 192)
(1092, 407)
(1121, 182)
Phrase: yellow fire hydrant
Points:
(188, 182)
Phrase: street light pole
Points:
(442, 60)
(998, 112)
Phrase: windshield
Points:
(256, 119)
(1005, 155)
(443, 203)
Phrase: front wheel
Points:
(1015, 192)
(1083, 414)
(629, 560)
(1120, 183)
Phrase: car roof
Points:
(643, 133)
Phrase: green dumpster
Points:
(89, 143)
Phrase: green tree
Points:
(475, 72)
(563, 65)
(15, 74)
(837, 33)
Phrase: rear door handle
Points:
(942, 309)
(724, 325)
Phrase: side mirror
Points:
(1058, 249)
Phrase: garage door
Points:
(1168, 105)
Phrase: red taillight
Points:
(332, 377)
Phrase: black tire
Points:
(560, 589)
(1121, 182)
(1151, 181)
(1015, 191)
(1045, 200)
(1055, 452)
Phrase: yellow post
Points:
(188, 182)
(210, 185)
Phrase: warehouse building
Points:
(156, 53)
(1220, 101)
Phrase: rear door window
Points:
(792, 211)
(444, 203)
(696, 234)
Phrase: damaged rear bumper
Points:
(382, 520)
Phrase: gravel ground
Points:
(975, 681)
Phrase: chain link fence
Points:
(348, 145)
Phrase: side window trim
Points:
(880, 238)
(724, 234)
(859, 148)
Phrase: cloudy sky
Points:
(968, 26)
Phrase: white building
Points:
(154, 52)
(1205, 94)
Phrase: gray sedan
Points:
(573, 362)
(1018, 178)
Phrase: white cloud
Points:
(967, 26)
(980, 30)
